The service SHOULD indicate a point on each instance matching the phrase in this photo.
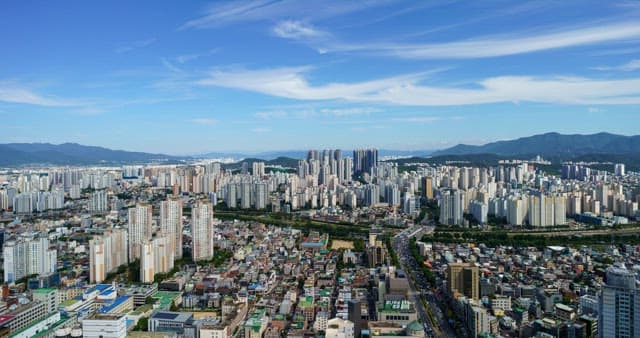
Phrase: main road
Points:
(418, 286)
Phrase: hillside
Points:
(16, 154)
(553, 145)
(282, 161)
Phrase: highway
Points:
(418, 286)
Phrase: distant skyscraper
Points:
(619, 305)
(451, 207)
(348, 169)
(245, 197)
(231, 197)
(364, 160)
(427, 187)
(171, 223)
(245, 168)
(202, 231)
(618, 169)
(303, 168)
(261, 196)
(371, 195)
(392, 195)
(258, 169)
(313, 155)
(140, 228)
(98, 202)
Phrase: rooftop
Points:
(105, 316)
(117, 302)
(173, 316)
(43, 291)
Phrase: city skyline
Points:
(267, 75)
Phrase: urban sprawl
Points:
(337, 247)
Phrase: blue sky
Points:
(188, 77)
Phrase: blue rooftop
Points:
(102, 287)
(116, 303)
(107, 292)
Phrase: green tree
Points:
(143, 324)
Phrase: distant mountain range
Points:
(15, 154)
(300, 154)
(553, 145)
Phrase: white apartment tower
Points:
(156, 257)
(107, 253)
(202, 231)
(140, 228)
(619, 305)
(27, 255)
(171, 224)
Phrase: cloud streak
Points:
(291, 29)
(489, 46)
(10, 93)
(407, 90)
(232, 12)
(627, 67)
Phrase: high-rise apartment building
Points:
(451, 207)
(107, 253)
(364, 160)
(98, 202)
(619, 305)
(156, 257)
(258, 169)
(171, 224)
(202, 231)
(140, 228)
(26, 255)
(427, 187)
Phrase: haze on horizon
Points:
(254, 76)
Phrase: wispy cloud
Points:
(290, 82)
(205, 121)
(230, 12)
(291, 29)
(627, 67)
(491, 46)
(184, 58)
(124, 48)
(13, 93)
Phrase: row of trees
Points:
(503, 238)
(415, 253)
